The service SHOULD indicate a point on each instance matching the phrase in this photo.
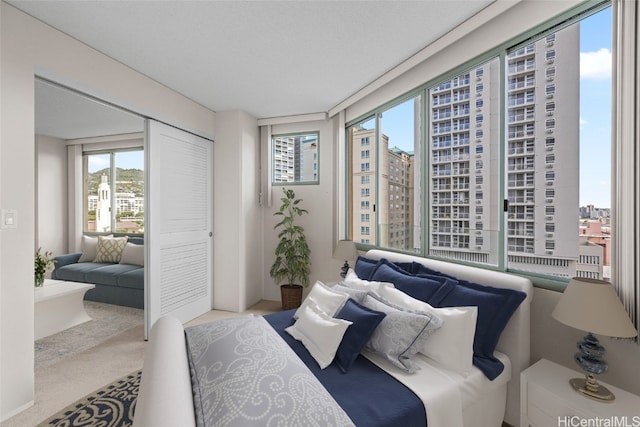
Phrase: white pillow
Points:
(352, 280)
(327, 300)
(321, 334)
(88, 247)
(133, 254)
(452, 344)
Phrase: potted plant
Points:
(293, 256)
(43, 263)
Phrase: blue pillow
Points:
(365, 267)
(423, 269)
(495, 308)
(365, 321)
(422, 288)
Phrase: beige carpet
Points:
(108, 321)
(74, 376)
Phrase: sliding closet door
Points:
(179, 224)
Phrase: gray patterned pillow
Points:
(401, 334)
(110, 249)
(356, 294)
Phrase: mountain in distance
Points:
(127, 181)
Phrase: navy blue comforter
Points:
(369, 395)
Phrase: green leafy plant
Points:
(43, 263)
(293, 256)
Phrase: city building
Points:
(595, 250)
(394, 180)
(295, 158)
(126, 204)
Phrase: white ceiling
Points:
(65, 114)
(269, 58)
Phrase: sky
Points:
(595, 112)
(124, 160)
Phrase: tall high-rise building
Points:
(464, 150)
(382, 192)
(541, 119)
(543, 150)
(295, 158)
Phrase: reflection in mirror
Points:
(295, 158)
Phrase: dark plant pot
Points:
(291, 296)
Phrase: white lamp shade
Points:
(345, 251)
(594, 306)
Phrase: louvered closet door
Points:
(178, 224)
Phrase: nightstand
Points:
(547, 400)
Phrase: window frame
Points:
(545, 29)
(112, 152)
(315, 165)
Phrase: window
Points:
(550, 107)
(114, 191)
(550, 73)
(532, 125)
(550, 90)
(550, 55)
(295, 158)
(394, 184)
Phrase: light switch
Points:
(9, 218)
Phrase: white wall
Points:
(52, 192)
(28, 48)
(319, 200)
(237, 244)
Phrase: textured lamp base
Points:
(344, 270)
(590, 388)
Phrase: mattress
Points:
(445, 393)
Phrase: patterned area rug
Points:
(111, 406)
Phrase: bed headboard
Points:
(515, 339)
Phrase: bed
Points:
(306, 385)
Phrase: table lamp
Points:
(593, 306)
(345, 250)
